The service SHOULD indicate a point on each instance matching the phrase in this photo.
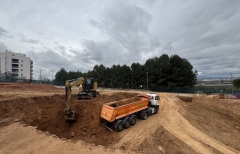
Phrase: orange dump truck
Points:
(122, 114)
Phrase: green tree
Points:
(236, 83)
(61, 75)
(168, 71)
(181, 73)
(138, 75)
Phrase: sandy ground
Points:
(31, 122)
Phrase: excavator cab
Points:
(89, 85)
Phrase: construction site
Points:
(32, 121)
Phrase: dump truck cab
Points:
(154, 102)
(154, 98)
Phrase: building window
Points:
(21, 74)
(21, 69)
(21, 60)
(22, 65)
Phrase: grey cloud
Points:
(3, 47)
(126, 27)
(167, 47)
(123, 32)
(61, 49)
(3, 31)
(61, 58)
(48, 59)
(30, 41)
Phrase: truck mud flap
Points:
(107, 127)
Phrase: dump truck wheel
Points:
(126, 122)
(119, 125)
(133, 120)
(144, 115)
(156, 109)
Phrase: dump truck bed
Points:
(111, 111)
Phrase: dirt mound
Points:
(127, 101)
(162, 141)
(214, 117)
(30, 87)
(47, 114)
(185, 98)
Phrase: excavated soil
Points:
(46, 113)
(183, 124)
(127, 101)
(11, 87)
(219, 119)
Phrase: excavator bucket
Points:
(71, 116)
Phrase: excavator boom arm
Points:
(70, 115)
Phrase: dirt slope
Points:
(19, 139)
(219, 119)
(185, 125)
(46, 113)
(175, 123)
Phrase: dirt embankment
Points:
(46, 113)
(219, 119)
(182, 125)
(11, 87)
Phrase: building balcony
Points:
(31, 66)
(31, 62)
(14, 72)
(16, 61)
(31, 70)
(14, 75)
(14, 67)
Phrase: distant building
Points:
(16, 64)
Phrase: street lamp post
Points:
(147, 81)
(40, 75)
(232, 82)
(52, 74)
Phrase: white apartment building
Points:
(17, 64)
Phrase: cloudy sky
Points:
(78, 34)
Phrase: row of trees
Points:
(236, 83)
(168, 71)
(6, 75)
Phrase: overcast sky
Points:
(78, 34)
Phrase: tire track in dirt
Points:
(174, 122)
(134, 136)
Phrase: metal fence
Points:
(219, 89)
(205, 89)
